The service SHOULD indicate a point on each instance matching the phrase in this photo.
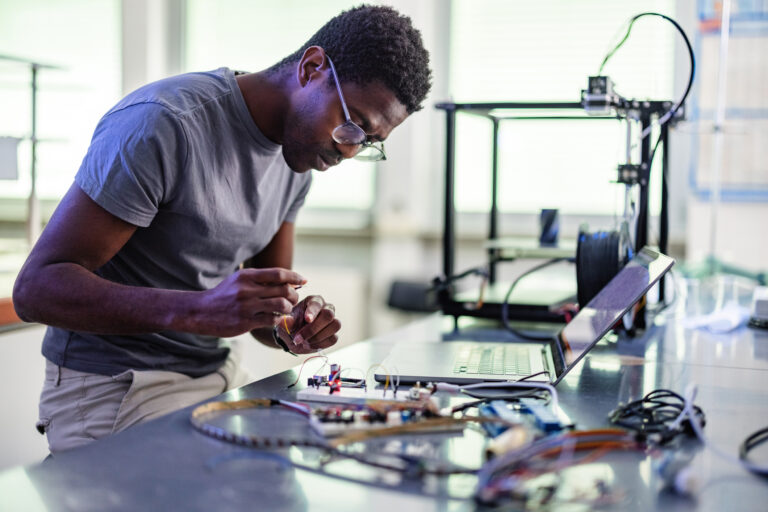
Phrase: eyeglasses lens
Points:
(349, 133)
(371, 154)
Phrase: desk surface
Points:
(165, 464)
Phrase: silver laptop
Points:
(467, 361)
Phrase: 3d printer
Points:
(598, 256)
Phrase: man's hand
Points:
(248, 299)
(312, 325)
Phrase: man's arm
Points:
(57, 285)
(278, 252)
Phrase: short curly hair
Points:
(374, 43)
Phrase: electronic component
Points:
(544, 416)
(418, 392)
(631, 174)
(341, 419)
(599, 98)
(334, 379)
(498, 409)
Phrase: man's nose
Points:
(348, 150)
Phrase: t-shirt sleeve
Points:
(298, 201)
(134, 159)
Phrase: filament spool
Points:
(599, 257)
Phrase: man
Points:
(139, 272)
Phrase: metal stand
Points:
(33, 213)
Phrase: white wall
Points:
(740, 234)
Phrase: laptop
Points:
(468, 361)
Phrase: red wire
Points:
(302, 368)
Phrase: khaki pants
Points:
(77, 407)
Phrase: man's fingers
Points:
(272, 305)
(267, 319)
(274, 276)
(307, 349)
(325, 325)
(314, 305)
(326, 343)
(282, 290)
(328, 331)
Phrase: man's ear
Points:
(312, 65)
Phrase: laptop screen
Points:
(610, 304)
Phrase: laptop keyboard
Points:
(502, 360)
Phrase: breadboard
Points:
(349, 395)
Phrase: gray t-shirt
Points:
(182, 159)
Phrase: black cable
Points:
(528, 377)
(671, 113)
(752, 441)
(653, 153)
(439, 284)
(505, 304)
(541, 394)
(655, 413)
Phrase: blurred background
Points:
(367, 225)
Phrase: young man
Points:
(139, 271)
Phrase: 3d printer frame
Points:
(645, 111)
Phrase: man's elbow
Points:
(21, 298)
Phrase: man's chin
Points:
(300, 170)
(296, 165)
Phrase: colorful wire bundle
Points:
(506, 474)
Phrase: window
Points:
(83, 38)
(544, 51)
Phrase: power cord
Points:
(505, 304)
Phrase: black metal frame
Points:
(647, 111)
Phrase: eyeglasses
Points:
(351, 133)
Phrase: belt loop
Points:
(58, 375)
